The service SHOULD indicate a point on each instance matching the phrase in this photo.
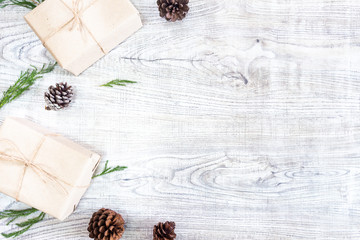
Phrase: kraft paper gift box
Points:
(79, 32)
(42, 169)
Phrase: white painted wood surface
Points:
(276, 158)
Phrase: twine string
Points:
(77, 9)
(29, 163)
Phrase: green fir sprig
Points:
(26, 225)
(30, 4)
(108, 170)
(117, 82)
(13, 215)
(24, 82)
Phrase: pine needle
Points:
(16, 234)
(25, 81)
(12, 215)
(30, 4)
(15, 214)
(117, 82)
(25, 226)
(32, 221)
(108, 170)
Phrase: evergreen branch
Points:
(30, 4)
(15, 214)
(24, 82)
(26, 225)
(32, 221)
(15, 234)
(117, 82)
(108, 170)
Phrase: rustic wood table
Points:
(244, 122)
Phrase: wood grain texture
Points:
(244, 123)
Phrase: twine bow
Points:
(77, 9)
(29, 163)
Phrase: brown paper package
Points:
(42, 169)
(79, 32)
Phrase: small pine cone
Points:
(106, 224)
(164, 231)
(173, 10)
(58, 97)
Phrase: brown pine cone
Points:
(173, 10)
(58, 97)
(164, 231)
(106, 224)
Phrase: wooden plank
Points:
(244, 123)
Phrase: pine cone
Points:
(164, 231)
(173, 10)
(106, 224)
(58, 97)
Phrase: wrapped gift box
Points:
(79, 32)
(42, 169)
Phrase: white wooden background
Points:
(276, 158)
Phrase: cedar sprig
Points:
(108, 170)
(12, 215)
(24, 82)
(15, 214)
(30, 4)
(25, 226)
(117, 82)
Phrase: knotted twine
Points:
(77, 9)
(29, 163)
